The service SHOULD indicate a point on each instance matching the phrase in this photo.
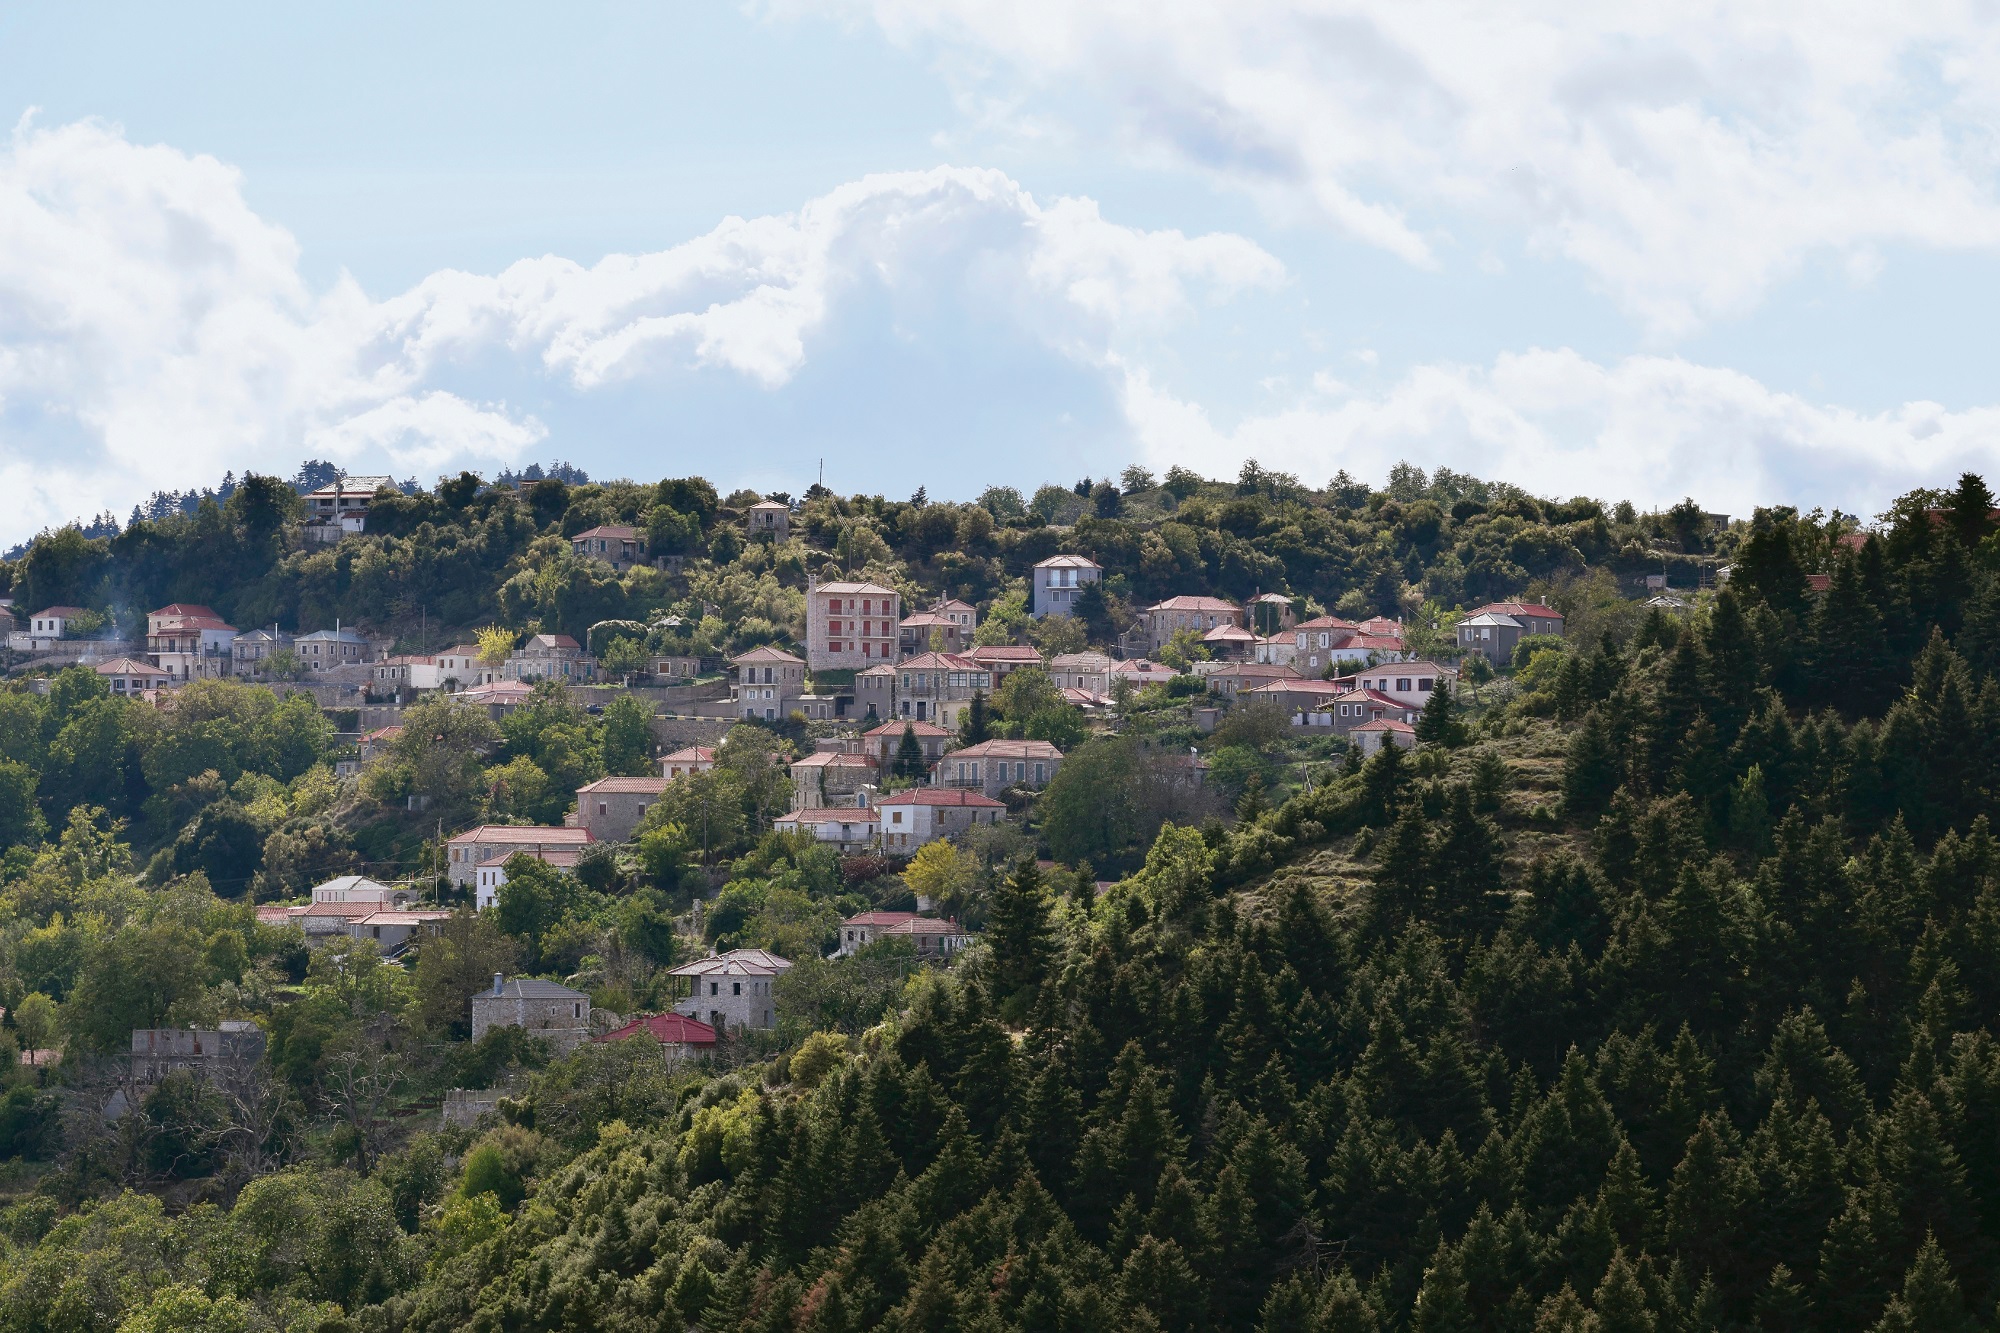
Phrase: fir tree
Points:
(909, 754)
(1018, 931)
(1441, 723)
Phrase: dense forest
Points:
(1655, 990)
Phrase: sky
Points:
(1745, 252)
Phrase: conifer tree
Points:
(1441, 723)
(1018, 932)
(909, 754)
(1591, 766)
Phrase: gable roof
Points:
(1006, 652)
(942, 796)
(1068, 562)
(816, 815)
(937, 662)
(521, 835)
(879, 918)
(766, 653)
(1003, 749)
(921, 729)
(693, 754)
(1195, 604)
(608, 531)
(1387, 724)
(1520, 609)
(667, 1029)
(843, 589)
(833, 759)
(1491, 619)
(187, 609)
(625, 786)
(59, 612)
(128, 666)
(1324, 622)
(1229, 634)
(529, 988)
(737, 962)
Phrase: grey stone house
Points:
(612, 807)
(545, 1008)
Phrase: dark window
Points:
(736, 988)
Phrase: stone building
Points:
(851, 626)
(610, 808)
(733, 990)
(1057, 582)
(545, 1008)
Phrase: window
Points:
(602, 808)
(714, 988)
(735, 988)
(1426, 683)
(1402, 684)
(1039, 770)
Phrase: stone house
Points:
(190, 642)
(1372, 736)
(1271, 613)
(1139, 672)
(875, 692)
(609, 809)
(1055, 583)
(1493, 630)
(1087, 671)
(1003, 659)
(831, 780)
(224, 1055)
(391, 929)
(769, 683)
(494, 843)
(770, 520)
(251, 652)
(326, 649)
(462, 663)
(491, 876)
(951, 620)
(547, 1009)
(912, 818)
(733, 990)
(934, 937)
(994, 766)
(1230, 643)
(851, 626)
(938, 687)
(1232, 679)
(550, 657)
(1162, 620)
(619, 546)
(883, 743)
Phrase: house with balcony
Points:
(769, 683)
(769, 520)
(994, 766)
(1004, 659)
(848, 830)
(190, 642)
(1055, 583)
(327, 649)
(851, 626)
(882, 744)
(340, 510)
(938, 687)
(128, 676)
(251, 652)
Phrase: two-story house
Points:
(687, 762)
(129, 676)
(938, 687)
(251, 652)
(1004, 659)
(948, 630)
(884, 743)
(619, 546)
(1408, 683)
(923, 814)
(1056, 582)
(551, 657)
(846, 830)
(769, 683)
(325, 649)
(494, 843)
(832, 780)
(1162, 620)
(1493, 630)
(1086, 671)
(341, 509)
(190, 642)
(994, 766)
(609, 809)
(851, 626)
(47, 626)
(770, 520)
(733, 990)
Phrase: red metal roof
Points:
(668, 1029)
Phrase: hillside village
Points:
(414, 837)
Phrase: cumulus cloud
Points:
(154, 330)
(1687, 155)
(1648, 428)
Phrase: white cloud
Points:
(1687, 155)
(154, 330)
(1648, 428)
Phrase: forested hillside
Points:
(1656, 990)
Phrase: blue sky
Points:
(1743, 252)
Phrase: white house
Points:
(912, 818)
(1058, 581)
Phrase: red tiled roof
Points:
(1006, 652)
(943, 796)
(925, 925)
(937, 662)
(1819, 582)
(625, 786)
(859, 814)
(1326, 622)
(766, 653)
(523, 834)
(60, 612)
(613, 531)
(693, 754)
(834, 759)
(1386, 724)
(1004, 749)
(187, 609)
(845, 589)
(668, 1029)
(1194, 604)
(879, 918)
(127, 666)
(922, 729)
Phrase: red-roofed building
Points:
(884, 742)
(938, 687)
(619, 546)
(1163, 620)
(994, 766)
(851, 626)
(678, 1034)
(1534, 617)
(47, 626)
(611, 808)
(1004, 658)
(685, 763)
(912, 818)
(1370, 736)
(864, 928)
(494, 843)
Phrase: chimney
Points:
(499, 979)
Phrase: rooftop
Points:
(529, 988)
(1068, 562)
(852, 814)
(667, 1029)
(942, 796)
(921, 729)
(767, 653)
(127, 666)
(693, 754)
(524, 834)
(608, 531)
(1002, 749)
(624, 785)
(1193, 604)
(847, 589)
(736, 963)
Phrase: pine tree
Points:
(1402, 874)
(976, 727)
(1441, 723)
(909, 754)
(1591, 768)
(1465, 868)
(1018, 932)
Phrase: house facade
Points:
(912, 818)
(190, 642)
(848, 830)
(341, 509)
(251, 652)
(1372, 736)
(1087, 671)
(47, 626)
(1057, 581)
(490, 843)
(1162, 620)
(733, 990)
(550, 657)
(882, 744)
(770, 520)
(619, 546)
(547, 1009)
(129, 676)
(994, 766)
(851, 626)
(326, 649)
(686, 762)
(938, 687)
(1004, 659)
(609, 809)
(769, 682)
